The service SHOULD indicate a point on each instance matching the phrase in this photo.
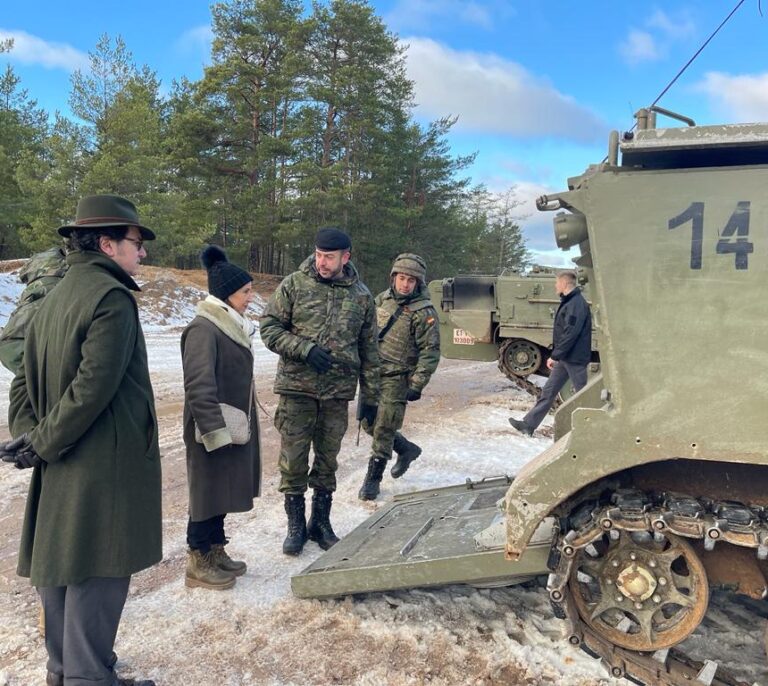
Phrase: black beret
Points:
(330, 238)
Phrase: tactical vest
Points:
(398, 344)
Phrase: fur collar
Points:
(224, 322)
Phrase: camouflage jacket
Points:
(337, 315)
(41, 273)
(411, 344)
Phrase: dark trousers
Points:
(561, 372)
(202, 535)
(81, 623)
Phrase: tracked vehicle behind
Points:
(656, 487)
(508, 318)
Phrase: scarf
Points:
(228, 320)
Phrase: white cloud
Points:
(680, 26)
(493, 95)
(653, 44)
(419, 15)
(536, 226)
(29, 49)
(197, 39)
(743, 98)
(640, 46)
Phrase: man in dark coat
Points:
(321, 320)
(82, 411)
(571, 351)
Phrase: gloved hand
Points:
(319, 359)
(368, 413)
(28, 459)
(20, 452)
(412, 395)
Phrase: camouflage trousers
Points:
(390, 415)
(303, 423)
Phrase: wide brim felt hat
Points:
(103, 211)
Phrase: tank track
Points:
(524, 384)
(657, 514)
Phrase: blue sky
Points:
(537, 85)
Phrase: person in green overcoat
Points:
(82, 414)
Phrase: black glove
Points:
(20, 452)
(9, 449)
(28, 459)
(319, 359)
(368, 413)
(412, 395)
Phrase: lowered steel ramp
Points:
(427, 538)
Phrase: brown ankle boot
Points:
(202, 572)
(225, 562)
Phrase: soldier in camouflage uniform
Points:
(322, 323)
(409, 348)
(41, 273)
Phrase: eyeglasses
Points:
(139, 243)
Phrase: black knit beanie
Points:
(224, 278)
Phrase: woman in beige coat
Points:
(221, 429)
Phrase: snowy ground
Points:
(257, 633)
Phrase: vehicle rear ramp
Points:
(428, 538)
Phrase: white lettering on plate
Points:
(461, 337)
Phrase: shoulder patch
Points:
(382, 317)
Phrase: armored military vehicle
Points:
(508, 318)
(656, 487)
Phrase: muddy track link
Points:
(630, 587)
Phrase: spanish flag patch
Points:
(430, 320)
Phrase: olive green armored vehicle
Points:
(508, 318)
(655, 489)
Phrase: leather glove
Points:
(368, 413)
(28, 459)
(319, 359)
(20, 453)
(412, 395)
(9, 449)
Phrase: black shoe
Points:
(297, 525)
(319, 527)
(370, 488)
(407, 452)
(521, 426)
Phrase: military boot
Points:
(370, 488)
(297, 524)
(202, 572)
(319, 527)
(225, 562)
(407, 452)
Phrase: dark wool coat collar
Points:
(98, 259)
